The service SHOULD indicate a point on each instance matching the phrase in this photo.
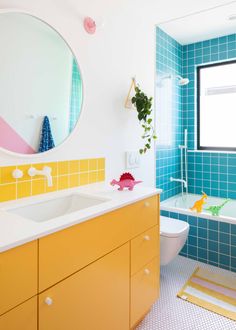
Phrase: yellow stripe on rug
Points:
(211, 291)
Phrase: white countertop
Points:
(16, 230)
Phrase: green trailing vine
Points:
(143, 106)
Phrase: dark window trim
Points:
(198, 106)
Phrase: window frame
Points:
(199, 147)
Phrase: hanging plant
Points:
(143, 105)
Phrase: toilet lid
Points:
(172, 227)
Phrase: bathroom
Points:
(67, 134)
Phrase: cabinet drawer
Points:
(18, 275)
(65, 252)
(144, 248)
(144, 291)
(97, 297)
(23, 317)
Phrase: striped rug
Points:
(214, 292)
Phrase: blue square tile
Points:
(224, 227)
(224, 260)
(224, 238)
(224, 249)
(213, 257)
(202, 232)
(192, 251)
(213, 235)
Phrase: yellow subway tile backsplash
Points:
(66, 174)
(73, 166)
(84, 165)
(63, 168)
(7, 192)
(93, 164)
(101, 176)
(84, 179)
(23, 189)
(101, 163)
(38, 186)
(6, 174)
(63, 182)
(92, 177)
(74, 180)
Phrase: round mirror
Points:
(40, 85)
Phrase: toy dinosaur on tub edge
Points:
(198, 205)
(215, 209)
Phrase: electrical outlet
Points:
(132, 159)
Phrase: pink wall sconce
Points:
(90, 25)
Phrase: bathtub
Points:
(181, 204)
(212, 239)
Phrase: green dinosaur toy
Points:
(215, 209)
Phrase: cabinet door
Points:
(144, 290)
(18, 275)
(97, 297)
(67, 251)
(23, 317)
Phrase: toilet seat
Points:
(172, 227)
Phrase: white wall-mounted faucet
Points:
(179, 180)
(46, 171)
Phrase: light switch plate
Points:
(132, 159)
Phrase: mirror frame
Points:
(71, 135)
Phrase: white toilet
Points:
(174, 234)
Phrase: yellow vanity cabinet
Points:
(100, 274)
(65, 252)
(97, 297)
(22, 317)
(18, 275)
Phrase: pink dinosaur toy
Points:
(126, 181)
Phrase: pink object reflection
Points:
(12, 141)
(90, 25)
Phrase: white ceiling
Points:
(203, 25)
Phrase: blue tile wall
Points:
(169, 56)
(209, 241)
(215, 173)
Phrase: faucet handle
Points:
(32, 171)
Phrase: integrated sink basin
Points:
(52, 208)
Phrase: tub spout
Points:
(184, 182)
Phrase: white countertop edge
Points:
(26, 230)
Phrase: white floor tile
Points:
(172, 313)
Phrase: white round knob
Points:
(48, 301)
(146, 271)
(146, 204)
(146, 238)
(17, 174)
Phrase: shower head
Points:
(182, 81)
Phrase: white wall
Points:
(123, 48)
(35, 79)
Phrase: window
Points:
(216, 104)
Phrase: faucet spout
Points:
(46, 171)
(184, 182)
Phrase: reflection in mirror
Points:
(40, 85)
